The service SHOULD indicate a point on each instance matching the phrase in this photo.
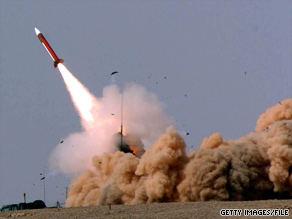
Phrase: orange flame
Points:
(133, 149)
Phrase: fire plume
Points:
(81, 97)
(133, 149)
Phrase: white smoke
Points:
(143, 115)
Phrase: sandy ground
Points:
(155, 210)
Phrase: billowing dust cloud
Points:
(256, 166)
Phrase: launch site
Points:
(145, 109)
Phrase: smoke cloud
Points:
(143, 116)
(256, 166)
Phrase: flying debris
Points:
(280, 103)
(115, 72)
(42, 178)
(61, 142)
(245, 72)
(187, 133)
(48, 48)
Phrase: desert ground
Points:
(209, 209)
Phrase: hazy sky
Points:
(225, 63)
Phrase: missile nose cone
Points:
(37, 32)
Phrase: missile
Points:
(48, 48)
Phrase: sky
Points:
(216, 65)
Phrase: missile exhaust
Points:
(48, 48)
